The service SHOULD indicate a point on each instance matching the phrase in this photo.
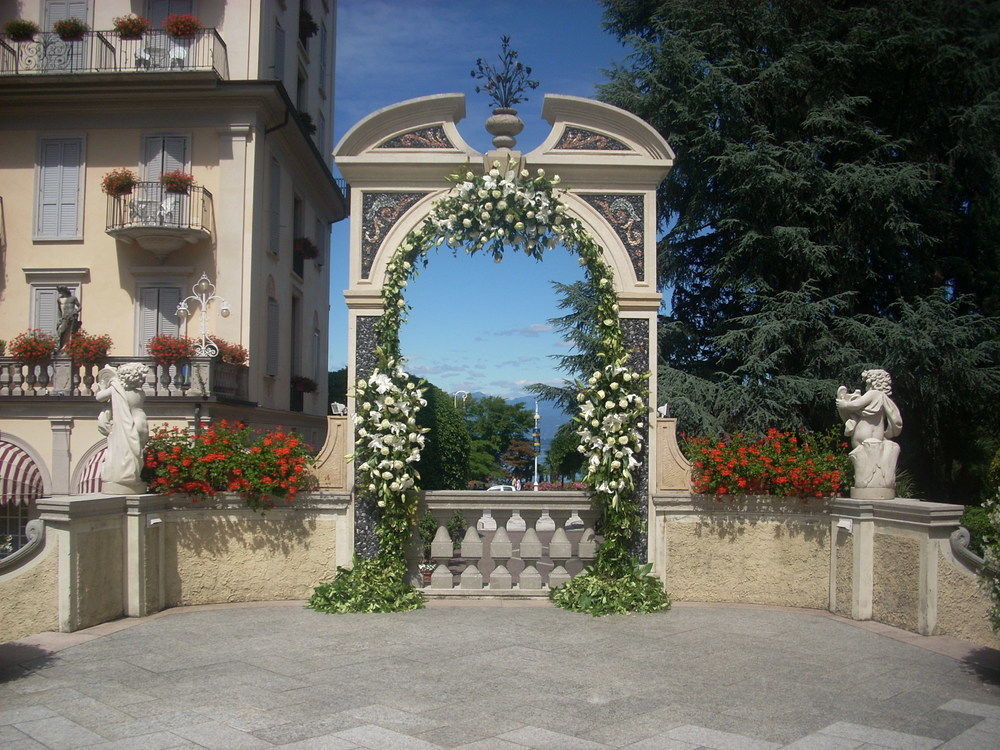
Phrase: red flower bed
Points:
(232, 353)
(228, 457)
(182, 24)
(801, 464)
(32, 346)
(169, 350)
(85, 349)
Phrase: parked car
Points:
(500, 488)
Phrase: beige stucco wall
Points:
(963, 606)
(770, 551)
(99, 572)
(232, 556)
(896, 581)
(844, 572)
(28, 596)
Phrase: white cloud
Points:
(532, 331)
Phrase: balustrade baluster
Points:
(501, 550)
(472, 545)
(530, 552)
(471, 578)
(545, 523)
(5, 379)
(587, 548)
(560, 551)
(516, 522)
(18, 388)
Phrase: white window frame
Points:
(188, 142)
(81, 191)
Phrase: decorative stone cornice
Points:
(67, 508)
(899, 510)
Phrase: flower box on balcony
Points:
(132, 26)
(307, 25)
(70, 29)
(21, 30)
(181, 25)
(177, 182)
(85, 349)
(169, 350)
(119, 181)
(33, 346)
(302, 384)
(231, 353)
(305, 248)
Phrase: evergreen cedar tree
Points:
(833, 207)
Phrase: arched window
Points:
(21, 484)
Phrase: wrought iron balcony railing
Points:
(159, 220)
(108, 52)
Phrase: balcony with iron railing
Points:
(108, 52)
(160, 220)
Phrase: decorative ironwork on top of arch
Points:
(432, 137)
(581, 139)
(379, 213)
(625, 214)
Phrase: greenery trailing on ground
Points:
(505, 208)
(372, 585)
(834, 206)
(614, 592)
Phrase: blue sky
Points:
(475, 325)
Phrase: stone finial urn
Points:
(503, 126)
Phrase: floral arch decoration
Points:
(505, 207)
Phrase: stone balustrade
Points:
(59, 377)
(512, 543)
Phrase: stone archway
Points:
(397, 159)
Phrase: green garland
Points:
(486, 213)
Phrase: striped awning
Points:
(90, 478)
(20, 477)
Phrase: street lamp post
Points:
(465, 395)
(537, 442)
(204, 294)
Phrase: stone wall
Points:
(765, 550)
(963, 608)
(896, 581)
(843, 573)
(237, 555)
(28, 601)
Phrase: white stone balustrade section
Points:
(517, 544)
(199, 377)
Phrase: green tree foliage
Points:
(563, 458)
(493, 424)
(519, 460)
(337, 383)
(444, 463)
(833, 206)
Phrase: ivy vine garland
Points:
(485, 213)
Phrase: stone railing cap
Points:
(72, 507)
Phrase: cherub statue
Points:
(125, 425)
(870, 419)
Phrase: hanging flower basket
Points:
(302, 384)
(307, 26)
(306, 248)
(132, 26)
(181, 25)
(231, 353)
(85, 349)
(33, 346)
(70, 29)
(21, 30)
(177, 181)
(119, 181)
(169, 350)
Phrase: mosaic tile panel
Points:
(581, 139)
(365, 510)
(379, 213)
(626, 215)
(636, 335)
(432, 137)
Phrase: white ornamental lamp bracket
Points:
(204, 294)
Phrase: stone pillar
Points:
(858, 516)
(62, 458)
(90, 533)
(361, 365)
(144, 554)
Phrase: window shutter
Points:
(275, 228)
(174, 153)
(279, 52)
(167, 320)
(149, 302)
(163, 153)
(46, 310)
(59, 187)
(160, 9)
(273, 331)
(152, 158)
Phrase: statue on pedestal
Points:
(870, 419)
(125, 425)
(69, 315)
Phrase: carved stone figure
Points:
(870, 419)
(125, 425)
(69, 315)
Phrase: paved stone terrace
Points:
(487, 677)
